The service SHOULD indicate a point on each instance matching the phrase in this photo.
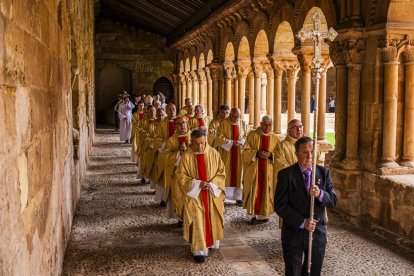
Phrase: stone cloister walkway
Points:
(120, 230)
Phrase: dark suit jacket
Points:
(292, 202)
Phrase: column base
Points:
(351, 164)
(389, 164)
(324, 145)
(407, 163)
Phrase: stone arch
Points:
(242, 30)
(181, 69)
(284, 40)
(308, 25)
(164, 86)
(259, 25)
(303, 10)
(112, 80)
(187, 67)
(243, 52)
(261, 44)
(193, 63)
(400, 11)
(229, 52)
(201, 61)
(210, 57)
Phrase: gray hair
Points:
(267, 118)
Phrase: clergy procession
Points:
(193, 164)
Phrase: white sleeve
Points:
(195, 189)
(242, 141)
(254, 158)
(177, 158)
(227, 146)
(215, 189)
(151, 146)
(161, 148)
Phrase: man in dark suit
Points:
(292, 203)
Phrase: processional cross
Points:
(317, 35)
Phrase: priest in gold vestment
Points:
(224, 112)
(258, 180)
(137, 119)
(201, 174)
(231, 136)
(175, 147)
(199, 119)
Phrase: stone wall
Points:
(40, 169)
(127, 59)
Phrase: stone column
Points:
(292, 77)
(389, 129)
(408, 144)
(251, 98)
(352, 136)
(263, 93)
(258, 70)
(202, 87)
(175, 86)
(190, 88)
(183, 89)
(235, 89)
(270, 90)
(277, 120)
(243, 70)
(228, 67)
(215, 75)
(322, 108)
(209, 104)
(305, 64)
(195, 88)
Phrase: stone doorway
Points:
(112, 80)
(164, 86)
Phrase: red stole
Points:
(202, 175)
(182, 139)
(170, 128)
(234, 155)
(200, 121)
(141, 115)
(261, 173)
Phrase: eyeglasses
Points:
(296, 127)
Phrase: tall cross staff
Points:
(317, 35)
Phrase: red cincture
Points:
(170, 128)
(261, 173)
(200, 122)
(234, 155)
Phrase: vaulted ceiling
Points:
(169, 18)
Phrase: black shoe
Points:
(144, 181)
(239, 202)
(126, 142)
(163, 204)
(180, 224)
(153, 192)
(199, 259)
(256, 221)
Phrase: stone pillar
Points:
(322, 109)
(195, 88)
(389, 129)
(215, 75)
(251, 98)
(235, 90)
(209, 103)
(352, 135)
(408, 144)
(190, 88)
(263, 92)
(277, 120)
(202, 87)
(305, 64)
(291, 73)
(270, 90)
(183, 89)
(258, 70)
(175, 87)
(243, 70)
(228, 67)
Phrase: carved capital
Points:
(408, 54)
(228, 70)
(216, 71)
(201, 75)
(305, 62)
(207, 73)
(389, 50)
(243, 69)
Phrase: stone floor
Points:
(120, 230)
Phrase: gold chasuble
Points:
(137, 120)
(150, 165)
(230, 133)
(196, 122)
(165, 130)
(212, 130)
(259, 178)
(171, 157)
(204, 216)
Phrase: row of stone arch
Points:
(251, 70)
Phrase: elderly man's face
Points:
(266, 126)
(305, 154)
(198, 144)
(190, 109)
(198, 111)
(151, 112)
(171, 110)
(224, 113)
(295, 129)
(160, 114)
(235, 116)
(180, 126)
